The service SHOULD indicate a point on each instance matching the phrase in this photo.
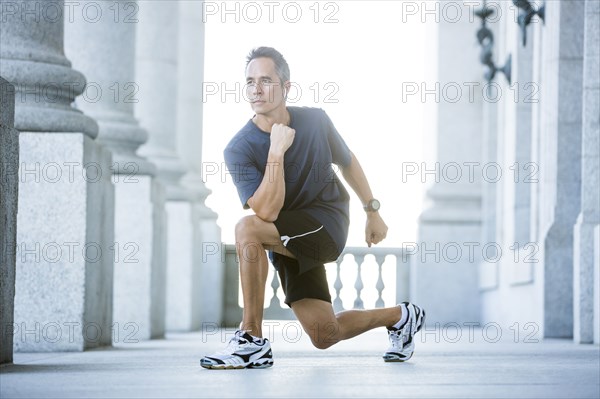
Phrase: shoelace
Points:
(234, 343)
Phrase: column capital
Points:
(105, 51)
(32, 59)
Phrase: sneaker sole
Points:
(265, 363)
(393, 358)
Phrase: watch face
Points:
(375, 205)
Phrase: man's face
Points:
(264, 89)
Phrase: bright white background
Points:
(352, 66)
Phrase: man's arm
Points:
(376, 229)
(268, 198)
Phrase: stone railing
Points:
(354, 264)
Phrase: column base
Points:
(194, 276)
(212, 268)
(597, 284)
(63, 287)
(558, 281)
(446, 278)
(182, 268)
(139, 259)
(445, 286)
(583, 282)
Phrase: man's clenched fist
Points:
(282, 137)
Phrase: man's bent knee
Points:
(252, 229)
(324, 336)
(247, 227)
(322, 345)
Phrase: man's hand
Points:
(376, 229)
(282, 138)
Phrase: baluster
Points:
(380, 285)
(402, 277)
(358, 285)
(337, 302)
(274, 300)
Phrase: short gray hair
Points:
(281, 65)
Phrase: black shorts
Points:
(311, 244)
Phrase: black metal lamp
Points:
(526, 13)
(485, 37)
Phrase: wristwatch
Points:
(372, 206)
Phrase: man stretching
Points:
(281, 163)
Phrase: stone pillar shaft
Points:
(454, 214)
(589, 217)
(156, 75)
(560, 160)
(105, 51)
(194, 238)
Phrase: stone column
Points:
(491, 216)
(489, 271)
(560, 159)
(589, 217)
(446, 286)
(194, 264)
(63, 283)
(523, 170)
(515, 285)
(157, 76)
(9, 191)
(104, 50)
(597, 284)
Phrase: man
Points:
(281, 163)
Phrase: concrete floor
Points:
(473, 367)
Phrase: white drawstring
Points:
(287, 239)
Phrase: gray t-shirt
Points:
(311, 184)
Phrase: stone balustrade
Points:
(338, 271)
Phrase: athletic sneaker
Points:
(401, 339)
(243, 352)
